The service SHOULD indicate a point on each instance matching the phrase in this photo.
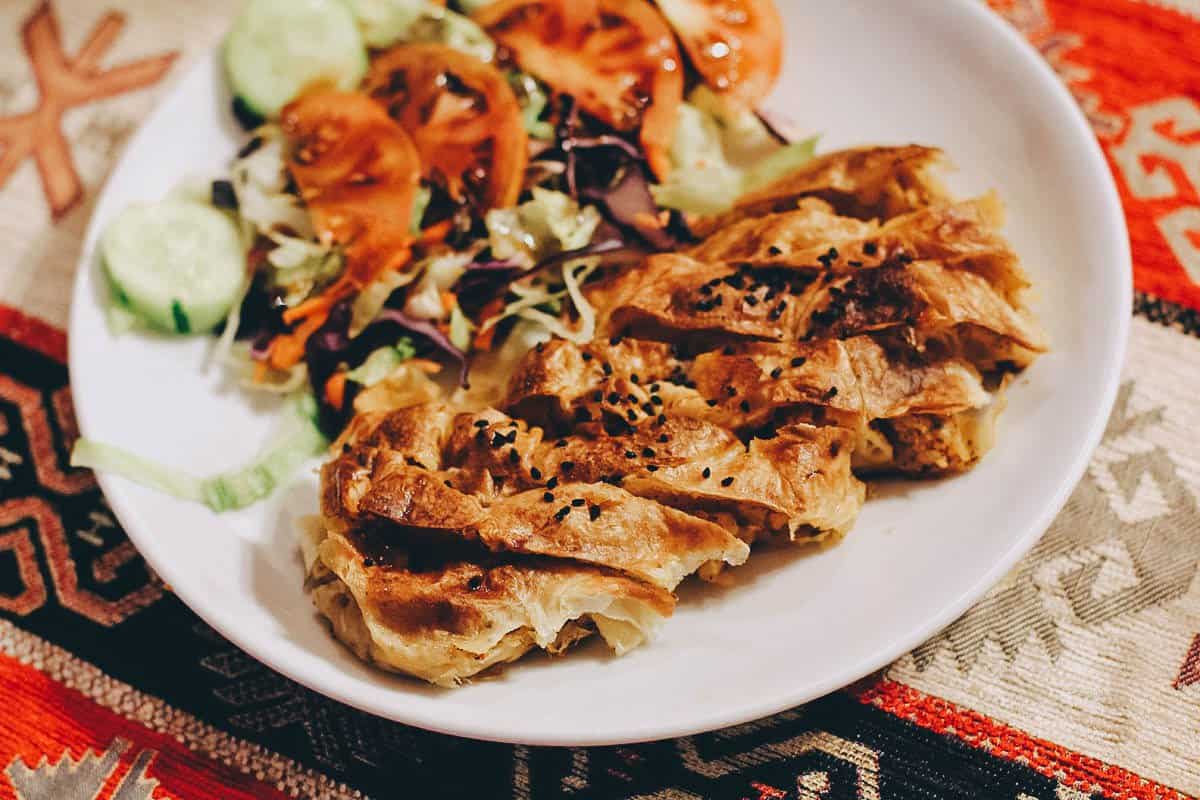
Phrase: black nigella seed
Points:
(548, 497)
(511, 436)
(751, 300)
(904, 258)
(615, 340)
(775, 373)
(597, 396)
(449, 485)
(582, 415)
(368, 562)
(727, 481)
(711, 403)
(855, 263)
(587, 356)
(832, 393)
(630, 454)
(731, 391)
(562, 513)
(798, 361)
(513, 456)
(833, 253)
(834, 449)
(552, 483)
(662, 420)
(663, 439)
(707, 473)
(223, 196)
(775, 251)
(481, 436)
(561, 443)
(647, 452)
(498, 440)
(481, 423)
(593, 512)
(706, 290)
(648, 409)
(633, 398)
(745, 406)
(654, 387)
(631, 415)
(735, 281)
(614, 398)
(718, 301)
(250, 147)
(476, 583)
(607, 367)
(727, 350)
(656, 400)
(535, 473)
(652, 468)
(567, 466)
(634, 379)
(578, 501)
(870, 248)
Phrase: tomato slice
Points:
(461, 114)
(617, 58)
(358, 172)
(735, 45)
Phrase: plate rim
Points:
(738, 713)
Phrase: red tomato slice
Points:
(735, 45)
(616, 57)
(358, 172)
(461, 114)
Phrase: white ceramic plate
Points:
(796, 625)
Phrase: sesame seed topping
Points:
(607, 367)
(633, 398)
(798, 361)
(727, 481)
(707, 473)
(648, 408)
(652, 468)
(663, 439)
(548, 497)
(870, 248)
(662, 420)
(614, 398)
(552, 483)
(630, 454)
(745, 406)
(513, 456)
(567, 466)
(587, 356)
(775, 251)
(481, 423)
(775, 373)
(578, 501)
(711, 403)
(631, 415)
(562, 513)
(535, 473)
(593, 512)
(561, 443)
(751, 300)
(647, 452)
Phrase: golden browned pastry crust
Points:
(850, 319)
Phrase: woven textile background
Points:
(1078, 676)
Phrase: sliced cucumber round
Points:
(178, 266)
(276, 48)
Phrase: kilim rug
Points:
(1077, 677)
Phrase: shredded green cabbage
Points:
(382, 362)
(549, 223)
(533, 99)
(260, 181)
(386, 22)
(298, 266)
(299, 441)
(460, 329)
(720, 152)
(420, 203)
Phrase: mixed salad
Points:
(425, 190)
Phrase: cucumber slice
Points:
(277, 48)
(176, 265)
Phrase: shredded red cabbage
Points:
(428, 330)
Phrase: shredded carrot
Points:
(486, 337)
(425, 365)
(335, 389)
(313, 305)
(260, 371)
(435, 233)
(288, 348)
(449, 301)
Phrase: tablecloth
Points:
(1078, 676)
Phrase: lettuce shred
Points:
(720, 152)
(299, 441)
